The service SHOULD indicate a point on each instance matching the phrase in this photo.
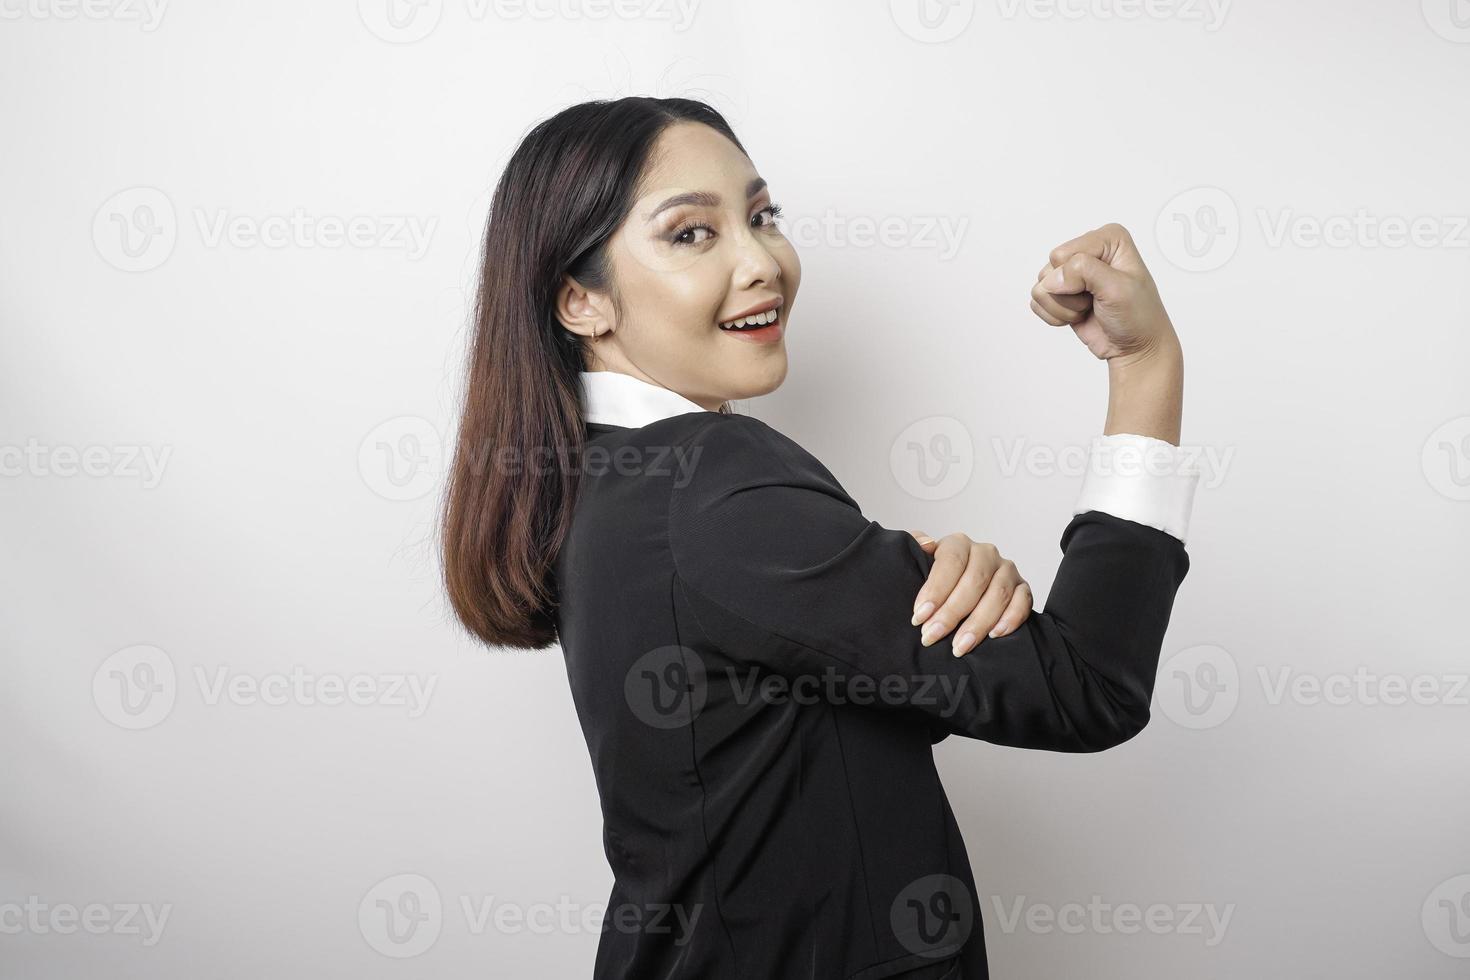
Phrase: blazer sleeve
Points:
(785, 573)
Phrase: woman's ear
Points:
(581, 311)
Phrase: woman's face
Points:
(699, 248)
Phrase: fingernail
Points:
(921, 612)
(963, 644)
(1058, 278)
(931, 629)
(999, 628)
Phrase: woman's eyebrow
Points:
(704, 199)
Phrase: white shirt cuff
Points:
(1140, 478)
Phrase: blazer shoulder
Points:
(748, 450)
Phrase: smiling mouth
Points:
(756, 321)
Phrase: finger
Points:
(951, 556)
(1079, 303)
(966, 594)
(1069, 301)
(1040, 311)
(1090, 243)
(1111, 243)
(1068, 309)
(991, 609)
(1016, 613)
(1085, 273)
(925, 542)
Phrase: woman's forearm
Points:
(1146, 392)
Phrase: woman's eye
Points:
(773, 210)
(682, 236)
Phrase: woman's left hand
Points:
(970, 581)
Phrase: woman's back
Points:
(756, 826)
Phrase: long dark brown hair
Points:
(511, 491)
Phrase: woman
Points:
(743, 645)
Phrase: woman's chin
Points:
(761, 379)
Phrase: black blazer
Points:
(760, 713)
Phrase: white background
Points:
(290, 394)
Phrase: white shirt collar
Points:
(614, 398)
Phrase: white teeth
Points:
(758, 319)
